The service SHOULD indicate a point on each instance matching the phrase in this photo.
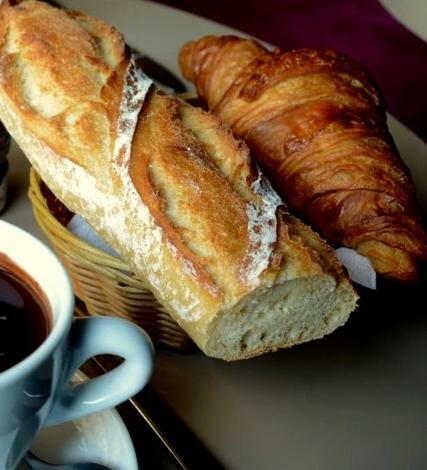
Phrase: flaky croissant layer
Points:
(315, 122)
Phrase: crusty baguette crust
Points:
(165, 184)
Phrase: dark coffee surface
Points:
(24, 320)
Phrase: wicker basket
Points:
(101, 281)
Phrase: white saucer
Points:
(99, 438)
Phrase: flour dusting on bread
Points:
(135, 88)
(262, 229)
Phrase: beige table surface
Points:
(357, 399)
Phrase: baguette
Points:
(166, 185)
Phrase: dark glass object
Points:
(4, 149)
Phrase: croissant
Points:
(316, 124)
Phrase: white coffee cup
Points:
(36, 391)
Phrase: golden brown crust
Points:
(165, 150)
(315, 122)
(56, 85)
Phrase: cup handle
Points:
(90, 337)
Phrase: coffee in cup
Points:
(25, 317)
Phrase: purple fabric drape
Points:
(362, 29)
